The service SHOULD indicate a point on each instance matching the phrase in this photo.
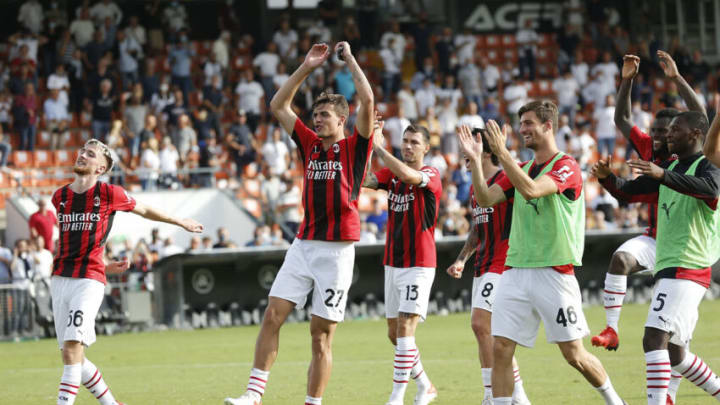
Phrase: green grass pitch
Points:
(204, 366)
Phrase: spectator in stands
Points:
(82, 29)
(18, 82)
(109, 29)
(180, 65)
(281, 76)
(288, 204)
(286, 39)
(582, 146)
(211, 68)
(169, 159)
(134, 114)
(240, 142)
(270, 189)
(221, 50)
(195, 244)
(465, 46)
(261, 237)
(31, 16)
(95, 50)
(175, 18)
(607, 69)
(102, 107)
(391, 69)
(203, 126)
(444, 48)
(267, 63)
(597, 90)
(186, 137)
(207, 243)
(148, 130)
(213, 99)
(223, 238)
(173, 112)
(566, 89)
(130, 53)
(351, 33)
(57, 119)
(448, 117)
(6, 259)
(25, 117)
(43, 223)
(6, 104)
(490, 110)
(425, 96)
(395, 127)
(23, 58)
(490, 77)
(251, 98)
(136, 31)
(607, 204)
(579, 68)
(527, 40)
(163, 98)
(276, 153)
(432, 123)
(605, 130)
(150, 80)
(210, 160)
(60, 81)
(469, 78)
(104, 9)
(42, 259)
(368, 232)
(449, 91)
(149, 166)
(76, 76)
(22, 273)
(5, 149)
(344, 83)
(425, 71)
(436, 159)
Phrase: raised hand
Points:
(631, 66)
(471, 148)
(191, 225)
(601, 169)
(378, 137)
(496, 137)
(668, 65)
(346, 52)
(317, 55)
(647, 168)
(117, 267)
(456, 269)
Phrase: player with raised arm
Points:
(321, 257)
(414, 192)
(711, 148)
(688, 243)
(638, 254)
(488, 238)
(85, 210)
(546, 243)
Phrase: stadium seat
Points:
(510, 54)
(508, 41)
(547, 40)
(21, 159)
(64, 158)
(493, 41)
(480, 43)
(42, 158)
(494, 56)
(42, 140)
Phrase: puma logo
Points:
(489, 303)
(534, 205)
(62, 204)
(661, 318)
(667, 209)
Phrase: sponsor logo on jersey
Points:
(336, 148)
(400, 202)
(323, 170)
(481, 215)
(96, 201)
(78, 221)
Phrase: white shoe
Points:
(426, 396)
(245, 399)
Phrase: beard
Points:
(83, 171)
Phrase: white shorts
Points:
(674, 308)
(642, 248)
(527, 296)
(76, 302)
(407, 290)
(325, 268)
(484, 291)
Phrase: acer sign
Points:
(501, 16)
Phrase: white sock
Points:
(608, 392)
(502, 401)
(658, 376)
(613, 296)
(256, 382)
(487, 382)
(312, 401)
(69, 384)
(92, 380)
(418, 373)
(676, 379)
(518, 389)
(405, 356)
(699, 373)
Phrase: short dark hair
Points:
(486, 145)
(338, 101)
(545, 110)
(667, 113)
(695, 120)
(419, 128)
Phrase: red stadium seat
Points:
(508, 41)
(21, 159)
(43, 158)
(493, 41)
(64, 158)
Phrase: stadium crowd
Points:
(180, 112)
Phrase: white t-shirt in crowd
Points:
(516, 95)
(406, 101)
(285, 43)
(395, 127)
(250, 94)
(267, 62)
(168, 160)
(275, 154)
(465, 53)
(605, 122)
(566, 90)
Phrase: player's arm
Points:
(366, 110)
(684, 89)
(484, 195)
(711, 149)
(404, 173)
(704, 185)
(631, 66)
(642, 189)
(456, 269)
(117, 266)
(529, 188)
(153, 214)
(281, 103)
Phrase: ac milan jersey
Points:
(85, 220)
(331, 184)
(493, 226)
(412, 216)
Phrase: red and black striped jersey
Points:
(331, 184)
(85, 220)
(412, 216)
(493, 229)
